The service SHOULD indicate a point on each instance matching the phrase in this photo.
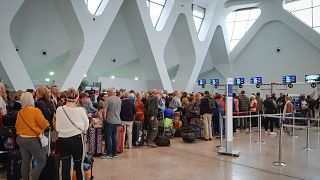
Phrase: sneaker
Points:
(106, 157)
(273, 133)
(247, 130)
(115, 156)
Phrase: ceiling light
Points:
(51, 73)
(47, 79)
(136, 78)
(85, 75)
(112, 77)
(173, 80)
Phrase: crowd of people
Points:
(67, 115)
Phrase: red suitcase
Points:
(120, 138)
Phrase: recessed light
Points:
(85, 75)
(136, 78)
(112, 77)
(47, 79)
(173, 80)
(51, 73)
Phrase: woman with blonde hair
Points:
(29, 125)
(44, 103)
(71, 123)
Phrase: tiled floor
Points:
(200, 160)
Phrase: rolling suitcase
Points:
(14, 165)
(51, 169)
(120, 139)
(137, 134)
(95, 141)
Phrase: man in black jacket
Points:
(127, 113)
(206, 107)
(269, 108)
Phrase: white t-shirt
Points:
(3, 106)
(77, 115)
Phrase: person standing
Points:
(72, 122)
(288, 108)
(113, 108)
(206, 109)
(127, 113)
(3, 105)
(55, 95)
(269, 108)
(244, 105)
(29, 125)
(139, 109)
(151, 107)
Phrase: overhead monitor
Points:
(289, 79)
(238, 81)
(202, 82)
(310, 78)
(256, 80)
(214, 81)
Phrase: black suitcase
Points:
(14, 165)
(188, 134)
(137, 134)
(162, 140)
(95, 141)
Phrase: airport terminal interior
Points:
(172, 89)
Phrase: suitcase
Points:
(51, 169)
(162, 140)
(137, 134)
(14, 165)
(120, 139)
(95, 141)
(87, 167)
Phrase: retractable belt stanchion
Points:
(229, 123)
(250, 123)
(293, 127)
(221, 131)
(259, 131)
(307, 148)
(279, 163)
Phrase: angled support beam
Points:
(94, 32)
(9, 57)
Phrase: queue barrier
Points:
(282, 116)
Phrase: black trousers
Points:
(267, 121)
(71, 147)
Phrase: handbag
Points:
(43, 139)
(72, 121)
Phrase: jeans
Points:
(71, 147)
(152, 128)
(111, 131)
(128, 130)
(31, 147)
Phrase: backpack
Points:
(219, 109)
(207, 105)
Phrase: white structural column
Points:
(9, 57)
(158, 39)
(94, 32)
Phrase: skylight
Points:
(239, 22)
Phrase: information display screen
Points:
(202, 82)
(289, 79)
(214, 81)
(238, 81)
(256, 80)
(310, 78)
